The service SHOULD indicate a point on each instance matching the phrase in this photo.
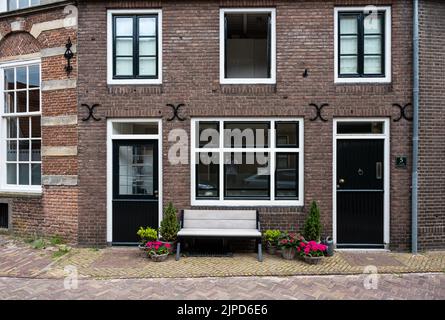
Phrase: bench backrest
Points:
(219, 219)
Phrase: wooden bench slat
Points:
(219, 215)
(220, 224)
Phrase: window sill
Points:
(248, 203)
(20, 193)
(386, 80)
(112, 82)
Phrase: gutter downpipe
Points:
(414, 201)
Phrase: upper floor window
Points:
(20, 127)
(21, 4)
(134, 46)
(363, 44)
(247, 46)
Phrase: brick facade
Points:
(432, 133)
(43, 34)
(305, 40)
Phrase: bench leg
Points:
(260, 251)
(178, 250)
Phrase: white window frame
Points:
(388, 22)
(273, 67)
(110, 79)
(17, 4)
(3, 130)
(272, 148)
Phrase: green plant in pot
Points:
(271, 237)
(146, 235)
(312, 226)
(169, 226)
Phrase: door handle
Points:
(341, 181)
(378, 170)
(156, 193)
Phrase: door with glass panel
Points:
(135, 188)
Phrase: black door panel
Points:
(360, 193)
(135, 188)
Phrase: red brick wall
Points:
(432, 130)
(55, 210)
(191, 75)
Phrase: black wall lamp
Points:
(68, 56)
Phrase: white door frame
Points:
(110, 138)
(386, 183)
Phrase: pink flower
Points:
(167, 245)
(298, 249)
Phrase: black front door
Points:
(360, 193)
(135, 188)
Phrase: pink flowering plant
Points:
(157, 248)
(311, 249)
(289, 240)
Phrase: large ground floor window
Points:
(247, 162)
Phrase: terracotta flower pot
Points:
(288, 253)
(312, 260)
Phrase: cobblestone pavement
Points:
(17, 259)
(406, 286)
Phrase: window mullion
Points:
(135, 46)
(221, 161)
(361, 44)
(272, 169)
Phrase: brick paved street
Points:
(408, 286)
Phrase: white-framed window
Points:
(134, 46)
(247, 162)
(21, 4)
(247, 46)
(362, 44)
(20, 127)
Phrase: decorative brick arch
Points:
(18, 43)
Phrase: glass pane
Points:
(147, 66)
(246, 134)
(124, 66)
(12, 4)
(36, 146)
(359, 127)
(348, 44)
(36, 174)
(35, 2)
(21, 78)
(24, 127)
(11, 151)
(348, 65)
(247, 49)
(372, 65)
(11, 173)
(9, 102)
(124, 26)
(348, 24)
(135, 128)
(9, 79)
(246, 175)
(207, 135)
(147, 26)
(24, 150)
(286, 178)
(12, 128)
(147, 46)
(373, 23)
(373, 44)
(34, 76)
(207, 175)
(287, 134)
(21, 101)
(34, 100)
(124, 47)
(23, 4)
(24, 174)
(136, 170)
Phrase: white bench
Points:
(223, 224)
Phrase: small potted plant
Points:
(146, 235)
(312, 226)
(288, 244)
(271, 237)
(169, 226)
(158, 251)
(311, 251)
